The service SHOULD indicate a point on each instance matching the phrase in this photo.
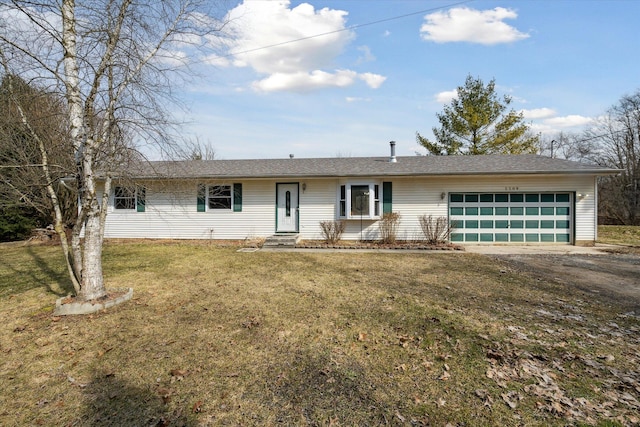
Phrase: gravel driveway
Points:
(613, 275)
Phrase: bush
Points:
(435, 230)
(389, 223)
(332, 230)
(15, 224)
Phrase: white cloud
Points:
(553, 125)
(172, 57)
(305, 82)
(538, 113)
(293, 47)
(265, 31)
(374, 81)
(366, 56)
(446, 96)
(356, 99)
(568, 121)
(463, 24)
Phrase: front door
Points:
(287, 208)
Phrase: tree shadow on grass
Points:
(314, 390)
(113, 401)
(22, 274)
(59, 275)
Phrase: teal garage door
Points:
(511, 217)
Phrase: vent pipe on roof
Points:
(392, 159)
(291, 156)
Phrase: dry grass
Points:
(619, 234)
(217, 337)
(626, 236)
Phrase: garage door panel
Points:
(510, 217)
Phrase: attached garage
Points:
(512, 217)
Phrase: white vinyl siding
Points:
(171, 212)
(171, 206)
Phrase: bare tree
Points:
(618, 135)
(114, 63)
(23, 186)
(196, 150)
(570, 146)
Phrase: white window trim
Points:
(207, 198)
(135, 198)
(375, 204)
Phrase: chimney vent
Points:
(392, 159)
(291, 156)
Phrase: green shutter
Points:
(202, 197)
(140, 199)
(237, 197)
(386, 198)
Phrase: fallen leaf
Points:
(606, 357)
(400, 417)
(197, 407)
(511, 398)
(178, 374)
(362, 336)
(74, 382)
(445, 376)
(251, 322)
(165, 394)
(441, 402)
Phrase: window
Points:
(124, 198)
(360, 197)
(359, 201)
(219, 197)
(129, 198)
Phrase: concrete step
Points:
(281, 241)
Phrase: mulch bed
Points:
(378, 245)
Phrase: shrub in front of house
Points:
(332, 230)
(435, 229)
(388, 225)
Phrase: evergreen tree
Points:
(477, 122)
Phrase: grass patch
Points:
(217, 337)
(619, 234)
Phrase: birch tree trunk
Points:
(90, 256)
(116, 58)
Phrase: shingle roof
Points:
(365, 166)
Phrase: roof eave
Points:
(598, 172)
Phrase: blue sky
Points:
(363, 84)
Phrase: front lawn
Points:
(217, 337)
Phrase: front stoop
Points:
(281, 241)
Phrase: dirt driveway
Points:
(613, 275)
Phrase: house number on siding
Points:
(511, 188)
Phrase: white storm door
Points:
(287, 208)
